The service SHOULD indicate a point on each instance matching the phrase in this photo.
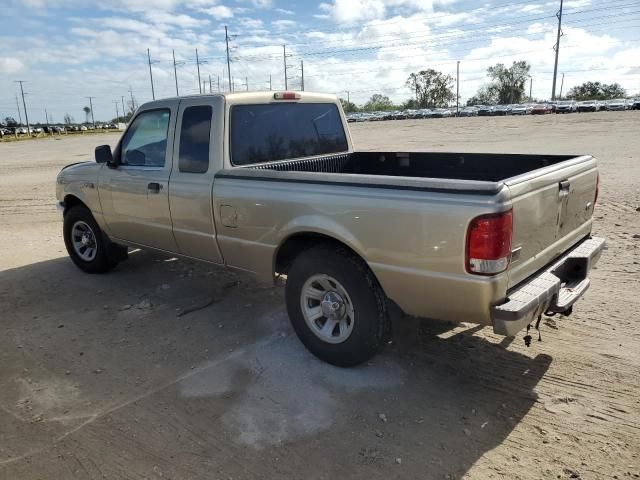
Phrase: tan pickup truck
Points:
(270, 183)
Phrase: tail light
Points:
(489, 243)
(286, 96)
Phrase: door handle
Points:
(154, 187)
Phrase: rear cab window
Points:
(195, 133)
(281, 131)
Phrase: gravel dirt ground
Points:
(101, 377)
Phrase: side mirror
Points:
(104, 155)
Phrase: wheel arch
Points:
(295, 244)
(71, 200)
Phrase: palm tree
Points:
(86, 111)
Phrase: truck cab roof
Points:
(249, 98)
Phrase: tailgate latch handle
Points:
(564, 186)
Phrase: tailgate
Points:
(552, 210)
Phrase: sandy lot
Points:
(101, 378)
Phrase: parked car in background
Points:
(502, 110)
(468, 112)
(589, 106)
(485, 110)
(566, 106)
(83, 128)
(616, 105)
(635, 105)
(541, 109)
(522, 109)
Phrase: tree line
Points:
(506, 85)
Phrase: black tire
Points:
(371, 326)
(107, 254)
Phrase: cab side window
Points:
(195, 134)
(145, 143)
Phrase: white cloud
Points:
(283, 24)
(10, 65)
(533, 8)
(352, 11)
(218, 12)
(285, 11)
(262, 3)
(179, 20)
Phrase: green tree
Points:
(432, 88)
(486, 95)
(378, 102)
(348, 106)
(86, 111)
(507, 83)
(68, 119)
(10, 122)
(596, 91)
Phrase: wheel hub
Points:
(86, 239)
(327, 308)
(332, 305)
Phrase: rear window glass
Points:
(278, 131)
(194, 139)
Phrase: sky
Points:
(68, 50)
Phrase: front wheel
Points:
(89, 249)
(336, 306)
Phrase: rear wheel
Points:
(88, 247)
(336, 306)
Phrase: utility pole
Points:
(226, 39)
(458, 87)
(153, 93)
(557, 49)
(175, 72)
(133, 102)
(19, 113)
(124, 112)
(302, 73)
(561, 85)
(93, 119)
(246, 83)
(232, 84)
(270, 87)
(24, 105)
(198, 67)
(210, 85)
(117, 113)
(46, 121)
(284, 63)
(530, 88)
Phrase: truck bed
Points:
(486, 167)
(552, 196)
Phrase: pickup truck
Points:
(269, 183)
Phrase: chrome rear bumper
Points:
(555, 289)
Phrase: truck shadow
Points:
(233, 374)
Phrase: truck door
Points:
(197, 156)
(135, 195)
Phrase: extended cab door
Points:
(197, 156)
(135, 195)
